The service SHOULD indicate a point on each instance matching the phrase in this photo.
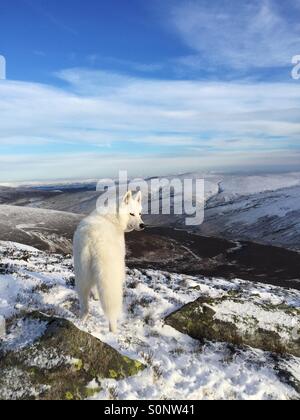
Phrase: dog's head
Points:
(131, 212)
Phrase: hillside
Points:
(159, 248)
(44, 229)
(36, 285)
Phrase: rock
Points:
(232, 319)
(58, 362)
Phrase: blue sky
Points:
(154, 87)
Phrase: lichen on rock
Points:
(60, 364)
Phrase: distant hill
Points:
(44, 229)
(260, 208)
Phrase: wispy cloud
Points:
(207, 124)
(237, 35)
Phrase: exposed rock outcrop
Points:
(59, 363)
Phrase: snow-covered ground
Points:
(177, 366)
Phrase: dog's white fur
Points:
(99, 256)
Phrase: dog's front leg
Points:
(95, 293)
(113, 326)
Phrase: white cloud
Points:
(222, 121)
(103, 107)
(238, 35)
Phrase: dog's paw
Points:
(95, 294)
(113, 327)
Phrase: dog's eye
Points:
(132, 214)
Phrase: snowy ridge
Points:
(232, 186)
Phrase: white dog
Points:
(99, 256)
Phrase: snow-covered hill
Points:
(271, 217)
(44, 229)
(262, 208)
(177, 365)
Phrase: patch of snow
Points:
(24, 333)
(16, 246)
(46, 359)
(17, 383)
(241, 314)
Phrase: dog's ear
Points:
(138, 197)
(127, 197)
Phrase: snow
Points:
(16, 247)
(13, 378)
(269, 217)
(178, 367)
(253, 184)
(24, 333)
(50, 183)
(275, 321)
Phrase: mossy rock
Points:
(201, 320)
(60, 363)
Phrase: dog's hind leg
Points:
(109, 277)
(111, 302)
(84, 308)
(84, 294)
